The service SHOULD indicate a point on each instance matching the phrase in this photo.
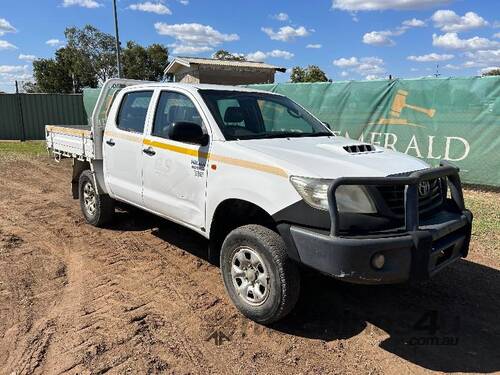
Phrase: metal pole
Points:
(117, 40)
(21, 117)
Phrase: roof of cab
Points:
(198, 86)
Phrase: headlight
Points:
(350, 198)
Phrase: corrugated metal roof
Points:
(187, 61)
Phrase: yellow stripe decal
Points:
(222, 159)
(178, 149)
(127, 136)
(250, 165)
(201, 154)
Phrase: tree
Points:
(52, 75)
(492, 72)
(297, 75)
(144, 63)
(225, 55)
(310, 74)
(89, 58)
(91, 52)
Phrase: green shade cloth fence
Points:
(457, 119)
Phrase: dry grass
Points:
(485, 205)
(21, 150)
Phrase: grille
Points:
(394, 197)
(358, 149)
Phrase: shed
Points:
(223, 72)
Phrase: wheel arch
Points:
(95, 166)
(232, 213)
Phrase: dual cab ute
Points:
(268, 184)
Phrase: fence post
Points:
(20, 104)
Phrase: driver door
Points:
(174, 180)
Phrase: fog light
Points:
(378, 261)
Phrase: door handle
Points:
(110, 142)
(149, 151)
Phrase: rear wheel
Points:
(262, 282)
(98, 209)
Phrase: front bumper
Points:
(417, 252)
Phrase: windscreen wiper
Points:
(321, 134)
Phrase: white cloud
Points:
(367, 5)
(315, 46)
(363, 65)
(382, 38)
(431, 57)
(372, 77)
(452, 41)
(81, 3)
(452, 67)
(184, 2)
(256, 56)
(193, 37)
(379, 38)
(343, 62)
(370, 65)
(261, 56)
(281, 17)
(182, 49)
(150, 7)
(9, 69)
(449, 21)
(6, 45)
(281, 54)
(344, 73)
(414, 23)
(54, 42)
(6, 27)
(286, 33)
(26, 57)
(482, 58)
(11, 73)
(496, 35)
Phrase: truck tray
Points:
(72, 141)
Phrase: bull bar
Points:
(411, 182)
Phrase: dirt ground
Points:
(140, 297)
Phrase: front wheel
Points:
(262, 282)
(98, 209)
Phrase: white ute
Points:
(268, 184)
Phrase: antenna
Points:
(437, 74)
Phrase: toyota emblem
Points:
(424, 188)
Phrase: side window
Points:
(133, 111)
(173, 107)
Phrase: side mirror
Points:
(327, 125)
(187, 132)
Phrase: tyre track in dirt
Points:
(135, 298)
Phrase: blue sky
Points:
(348, 39)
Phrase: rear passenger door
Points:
(122, 147)
(175, 172)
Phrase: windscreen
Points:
(249, 115)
